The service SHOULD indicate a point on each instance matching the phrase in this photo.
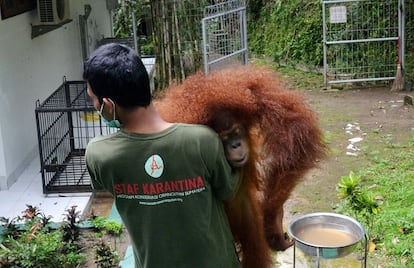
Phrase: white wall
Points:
(31, 69)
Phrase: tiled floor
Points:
(27, 190)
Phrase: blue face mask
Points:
(114, 122)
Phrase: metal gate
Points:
(362, 40)
(224, 34)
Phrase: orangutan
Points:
(268, 130)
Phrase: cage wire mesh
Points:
(361, 40)
(66, 121)
(176, 35)
(224, 35)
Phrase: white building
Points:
(34, 58)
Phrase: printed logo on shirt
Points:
(155, 193)
(158, 192)
(154, 166)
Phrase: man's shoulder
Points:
(98, 140)
(197, 128)
(202, 135)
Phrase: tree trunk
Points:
(177, 33)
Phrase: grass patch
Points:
(294, 76)
(384, 169)
(388, 182)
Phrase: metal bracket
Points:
(45, 28)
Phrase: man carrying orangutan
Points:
(169, 180)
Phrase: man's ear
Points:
(108, 103)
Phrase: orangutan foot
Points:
(276, 242)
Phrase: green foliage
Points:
(35, 244)
(39, 248)
(70, 228)
(40, 251)
(291, 32)
(105, 257)
(390, 180)
(411, 142)
(109, 226)
(31, 241)
(358, 200)
(288, 32)
(146, 46)
(123, 22)
(10, 228)
(33, 215)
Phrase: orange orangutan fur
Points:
(285, 142)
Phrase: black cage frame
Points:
(66, 121)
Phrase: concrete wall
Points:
(31, 69)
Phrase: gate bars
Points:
(360, 40)
(224, 34)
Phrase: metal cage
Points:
(66, 121)
(224, 30)
(361, 40)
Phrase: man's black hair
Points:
(115, 71)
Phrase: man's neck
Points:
(143, 120)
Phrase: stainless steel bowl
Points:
(324, 220)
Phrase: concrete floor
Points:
(27, 190)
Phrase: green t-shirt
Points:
(169, 189)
